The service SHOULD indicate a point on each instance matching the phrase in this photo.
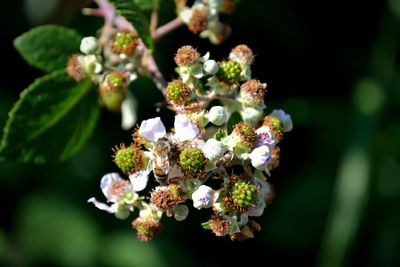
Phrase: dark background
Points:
(334, 66)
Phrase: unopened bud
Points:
(210, 67)
(89, 45)
(217, 115)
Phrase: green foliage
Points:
(51, 121)
(50, 228)
(132, 12)
(148, 4)
(48, 47)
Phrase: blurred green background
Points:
(334, 66)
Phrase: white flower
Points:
(152, 129)
(117, 191)
(184, 129)
(180, 212)
(128, 112)
(213, 149)
(203, 197)
(217, 115)
(260, 157)
(265, 137)
(210, 67)
(285, 118)
(89, 45)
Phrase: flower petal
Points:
(102, 206)
(184, 129)
(152, 129)
(139, 180)
(128, 112)
(106, 182)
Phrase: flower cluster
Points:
(203, 18)
(111, 66)
(219, 154)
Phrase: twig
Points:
(166, 28)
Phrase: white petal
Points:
(184, 129)
(139, 180)
(152, 129)
(102, 206)
(185, 76)
(205, 57)
(106, 181)
(260, 157)
(128, 110)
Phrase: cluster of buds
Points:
(202, 18)
(219, 154)
(111, 65)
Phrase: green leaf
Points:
(51, 121)
(148, 4)
(131, 11)
(48, 47)
(234, 119)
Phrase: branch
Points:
(166, 28)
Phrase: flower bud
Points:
(180, 212)
(251, 115)
(210, 67)
(89, 45)
(203, 197)
(217, 115)
(260, 157)
(213, 149)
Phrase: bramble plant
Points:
(221, 149)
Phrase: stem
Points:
(153, 21)
(166, 28)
